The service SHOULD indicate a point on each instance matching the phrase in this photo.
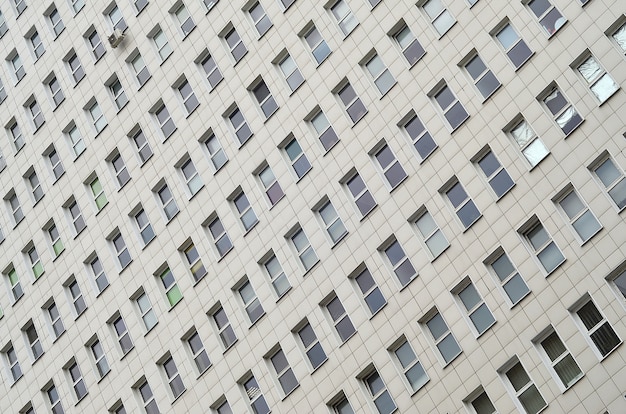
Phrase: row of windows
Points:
(563, 367)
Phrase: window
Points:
(14, 283)
(270, 185)
(35, 185)
(100, 359)
(264, 98)
(190, 102)
(97, 192)
(196, 267)
(549, 16)
(408, 364)
(141, 72)
(331, 221)
(286, 378)
(96, 117)
(143, 147)
(76, 217)
(54, 87)
(524, 390)
(312, 347)
(246, 214)
(210, 70)
(563, 113)
(170, 208)
(95, 44)
(298, 160)
(173, 377)
(479, 402)
(3, 25)
(498, 178)
(76, 69)
(235, 45)
(360, 193)
(16, 136)
(514, 46)
(597, 78)
(399, 261)
(3, 92)
(339, 318)
(77, 5)
(323, 129)
(540, 243)
(119, 167)
(55, 163)
(430, 234)
(214, 149)
(99, 277)
(143, 225)
(220, 237)
(116, 18)
(303, 248)
(341, 405)
(55, 239)
(474, 307)
(76, 297)
(383, 79)
(618, 280)
(222, 406)
(121, 334)
(409, 45)
(55, 20)
(261, 21)
(191, 177)
(529, 143)
(286, 3)
(121, 251)
(453, 111)
(463, 205)
(148, 316)
(389, 165)
(164, 120)
(255, 395)
(14, 207)
(580, 217)
(352, 103)
(317, 44)
(184, 19)
(251, 302)
(53, 399)
(13, 363)
(34, 111)
(139, 6)
(377, 390)
(594, 326)
(344, 16)
(75, 140)
(224, 328)
(558, 358)
(172, 291)
(76, 377)
(290, 71)
(240, 126)
(443, 339)
(439, 16)
(370, 291)
(34, 261)
(17, 67)
(32, 340)
(277, 276)
(199, 354)
(117, 93)
(420, 137)
(611, 178)
(147, 398)
(160, 42)
(482, 77)
(618, 36)
(36, 44)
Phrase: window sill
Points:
(323, 60)
(81, 398)
(100, 131)
(103, 376)
(441, 35)
(176, 304)
(201, 374)
(348, 338)
(122, 107)
(38, 128)
(346, 35)
(244, 142)
(79, 232)
(186, 35)
(126, 266)
(179, 396)
(127, 352)
(54, 341)
(236, 62)
(168, 221)
(412, 392)
(197, 281)
(271, 206)
(310, 269)
(99, 210)
(231, 346)
(212, 87)
(261, 35)
(326, 151)
(56, 105)
(299, 178)
(511, 304)
(55, 257)
(192, 111)
(141, 85)
(16, 380)
(98, 294)
(569, 387)
(148, 243)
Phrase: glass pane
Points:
(586, 225)
(572, 205)
(488, 84)
(567, 370)
(174, 295)
(517, 376)
(620, 37)
(605, 338)
(384, 403)
(444, 98)
(519, 53)
(416, 376)
(468, 213)
(516, 288)
(553, 21)
(375, 300)
(604, 87)
(618, 194)
(501, 183)
(555, 101)
(316, 355)
(551, 257)
(482, 404)
(345, 328)
(444, 22)
(426, 224)
(405, 272)
(535, 152)
(366, 202)
(395, 175)
(507, 36)
(475, 67)
(470, 297)
(532, 401)
(539, 7)
(569, 120)
(448, 348)
(456, 115)
(288, 381)
(437, 326)
(437, 243)
(482, 318)
(590, 69)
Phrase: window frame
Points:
(531, 225)
(618, 183)
(532, 141)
